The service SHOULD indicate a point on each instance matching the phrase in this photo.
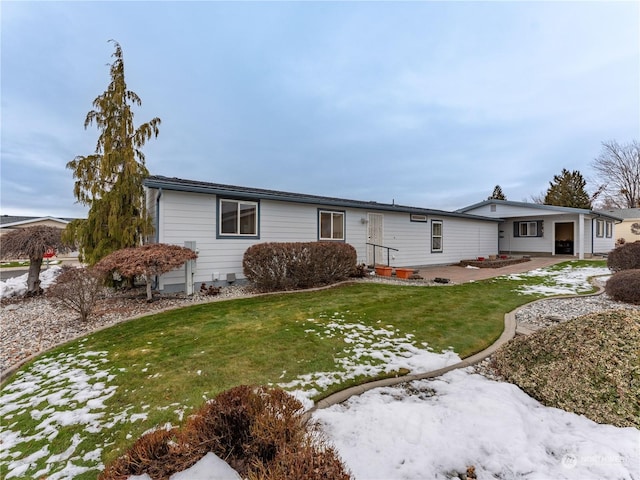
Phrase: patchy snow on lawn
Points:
(67, 390)
(368, 351)
(17, 286)
(568, 280)
(438, 428)
(432, 429)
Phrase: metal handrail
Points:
(374, 245)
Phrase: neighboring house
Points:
(223, 221)
(11, 222)
(629, 229)
(534, 229)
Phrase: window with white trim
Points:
(599, 228)
(238, 218)
(331, 225)
(609, 229)
(436, 236)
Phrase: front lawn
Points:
(85, 403)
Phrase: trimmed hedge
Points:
(624, 286)
(624, 257)
(291, 266)
(260, 431)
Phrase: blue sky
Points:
(429, 104)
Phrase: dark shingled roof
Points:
(167, 183)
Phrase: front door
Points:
(375, 235)
(564, 238)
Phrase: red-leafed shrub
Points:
(290, 266)
(146, 261)
(624, 286)
(624, 257)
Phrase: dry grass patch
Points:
(589, 365)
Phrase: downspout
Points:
(597, 215)
(156, 281)
(592, 235)
(158, 215)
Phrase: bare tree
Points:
(618, 168)
(78, 289)
(147, 261)
(32, 243)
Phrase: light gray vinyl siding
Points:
(466, 239)
(185, 216)
(603, 244)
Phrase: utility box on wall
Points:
(189, 270)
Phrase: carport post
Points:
(581, 236)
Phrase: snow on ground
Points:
(428, 429)
(568, 280)
(368, 351)
(65, 390)
(17, 286)
(437, 428)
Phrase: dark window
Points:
(436, 236)
(528, 229)
(238, 218)
(331, 225)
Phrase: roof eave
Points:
(262, 194)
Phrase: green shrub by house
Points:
(290, 266)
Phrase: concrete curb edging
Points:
(507, 334)
(510, 330)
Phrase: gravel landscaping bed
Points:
(33, 325)
(552, 311)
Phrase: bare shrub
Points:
(260, 431)
(624, 286)
(624, 257)
(311, 459)
(248, 424)
(78, 289)
(289, 266)
(159, 453)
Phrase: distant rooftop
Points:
(17, 220)
(624, 213)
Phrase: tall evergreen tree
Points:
(568, 190)
(110, 180)
(497, 194)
